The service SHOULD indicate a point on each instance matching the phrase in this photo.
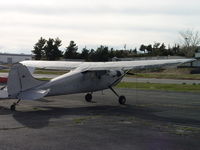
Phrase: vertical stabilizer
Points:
(20, 80)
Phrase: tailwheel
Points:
(122, 100)
(88, 97)
(13, 106)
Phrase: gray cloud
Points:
(92, 27)
(131, 10)
(1, 47)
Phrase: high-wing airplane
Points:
(84, 77)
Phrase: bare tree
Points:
(190, 40)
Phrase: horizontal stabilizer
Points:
(33, 94)
(3, 94)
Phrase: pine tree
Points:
(39, 49)
(52, 51)
(71, 51)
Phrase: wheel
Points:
(12, 107)
(122, 100)
(88, 97)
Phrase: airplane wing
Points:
(92, 66)
(129, 65)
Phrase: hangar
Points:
(8, 58)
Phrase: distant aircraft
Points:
(84, 77)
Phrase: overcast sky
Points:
(92, 23)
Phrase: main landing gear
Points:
(13, 106)
(121, 98)
(88, 97)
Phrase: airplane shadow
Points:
(40, 118)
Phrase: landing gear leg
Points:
(88, 97)
(13, 106)
(121, 98)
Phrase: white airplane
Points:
(84, 77)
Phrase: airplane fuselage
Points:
(77, 82)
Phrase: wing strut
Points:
(121, 98)
(114, 91)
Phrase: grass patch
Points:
(44, 79)
(168, 76)
(158, 86)
(4, 71)
(53, 72)
(169, 73)
(185, 130)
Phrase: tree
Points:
(162, 50)
(111, 53)
(39, 49)
(57, 53)
(142, 48)
(52, 51)
(190, 40)
(91, 56)
(149, 49)
(156, 49)
(85, 53)
(175, 50)
(102, 53)
(134, 51)
(71, 51)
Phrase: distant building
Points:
(6, 58)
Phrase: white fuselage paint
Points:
(77, 82)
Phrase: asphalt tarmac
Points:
(151, 120)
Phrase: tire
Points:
(88, 97)
(122, 100)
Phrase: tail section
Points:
(21, 81)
